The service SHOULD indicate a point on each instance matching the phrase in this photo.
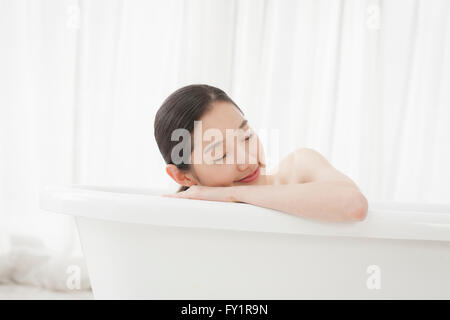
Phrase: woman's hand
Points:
(205, 193)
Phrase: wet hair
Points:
(180, 110)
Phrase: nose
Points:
(242, 167)
(250, 160)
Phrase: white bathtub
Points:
(139, 245)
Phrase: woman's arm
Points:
(315, 189)
(318, 191)
(333, 201)
(322, 200)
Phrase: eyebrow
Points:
(216, 143)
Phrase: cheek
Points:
(219, 175)
(256, 152)
(261, 154)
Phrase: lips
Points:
(251, 176)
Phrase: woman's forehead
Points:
(218, 123)
(222, 116)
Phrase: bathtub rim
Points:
(384, 220)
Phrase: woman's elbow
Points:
(357, 207)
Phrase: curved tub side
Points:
(146, 206)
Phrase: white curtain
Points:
(364, 82)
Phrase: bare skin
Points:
(305, 184)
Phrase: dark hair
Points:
(180, 110)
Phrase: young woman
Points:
(305, 184)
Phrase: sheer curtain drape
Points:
(364, 82)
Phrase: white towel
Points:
(26, 260)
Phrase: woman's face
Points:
(215, 159)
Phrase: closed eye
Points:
(221, 158)
(246, 139)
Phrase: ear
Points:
(180, 177)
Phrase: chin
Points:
(236, 183)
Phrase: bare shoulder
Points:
(308, 165)
(292, 169)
